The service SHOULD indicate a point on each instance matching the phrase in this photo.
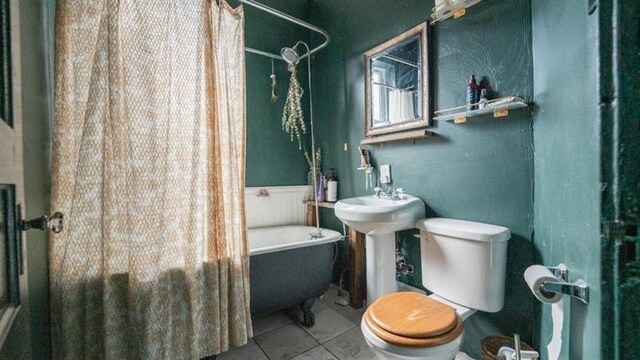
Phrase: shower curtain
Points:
(148, 168)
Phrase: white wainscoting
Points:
(282, 206)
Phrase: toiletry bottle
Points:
(320, 190)
(324, 182)
(332, 186)
(473, 94)
(483, 99)
(364, 158)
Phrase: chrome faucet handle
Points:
(378, 191)
(395, 193)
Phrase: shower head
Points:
(290, 56)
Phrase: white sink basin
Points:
(379, 219)
(370, 215)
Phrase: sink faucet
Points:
(391, 194)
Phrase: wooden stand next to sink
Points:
(357, 260)
(357, 269)
(311, 210)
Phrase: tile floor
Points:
(336, 335)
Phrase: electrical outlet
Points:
(385, 174)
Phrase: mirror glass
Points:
(396, 83)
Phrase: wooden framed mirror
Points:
(397, 83)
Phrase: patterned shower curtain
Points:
(148, 168)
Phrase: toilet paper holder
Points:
(578, 289)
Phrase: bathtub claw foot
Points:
(307, 318)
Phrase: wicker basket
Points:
(491, 345)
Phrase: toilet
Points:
(463, 266)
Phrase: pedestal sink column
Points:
(381, 265)
(379, 218)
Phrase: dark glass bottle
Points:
(473, 94)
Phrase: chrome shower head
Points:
(290, 56)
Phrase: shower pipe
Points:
(322, 32)
(289, 18)
(292, 59)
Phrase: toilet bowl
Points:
(463, 265)
(408, 325)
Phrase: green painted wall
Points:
(480, 171)
(271, 158)
(567, 163)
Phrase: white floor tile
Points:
(286, 342)
(318, 306)
(328, 325)
(248, 351)
(355, 315)
(318, 353)
(264, 323)
(350, 346)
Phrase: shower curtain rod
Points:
(289, 18)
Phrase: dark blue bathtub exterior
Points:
(286, 278)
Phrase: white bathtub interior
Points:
(277, 238)
(275, 220)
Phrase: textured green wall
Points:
(567, 163)
(271, 158)
(480, 171)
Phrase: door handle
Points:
(54, 223)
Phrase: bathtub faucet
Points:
(316, 234)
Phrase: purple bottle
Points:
(320, 189)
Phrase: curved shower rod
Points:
(292, 19)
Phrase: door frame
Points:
(12, 172)
(619, 60)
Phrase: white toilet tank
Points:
(464, 262)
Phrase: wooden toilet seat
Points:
(413, 320)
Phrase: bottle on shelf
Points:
(332, 186)
(320, 189)
(483, 99)
(473, 94)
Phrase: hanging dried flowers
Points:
(292, 116)
(318, 158)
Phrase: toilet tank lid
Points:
(465, 229)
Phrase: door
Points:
(620, 85)
(14, 320)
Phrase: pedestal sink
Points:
(379, 219)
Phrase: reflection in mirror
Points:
(396, 83)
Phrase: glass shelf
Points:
(499, 107)
(449, 8)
